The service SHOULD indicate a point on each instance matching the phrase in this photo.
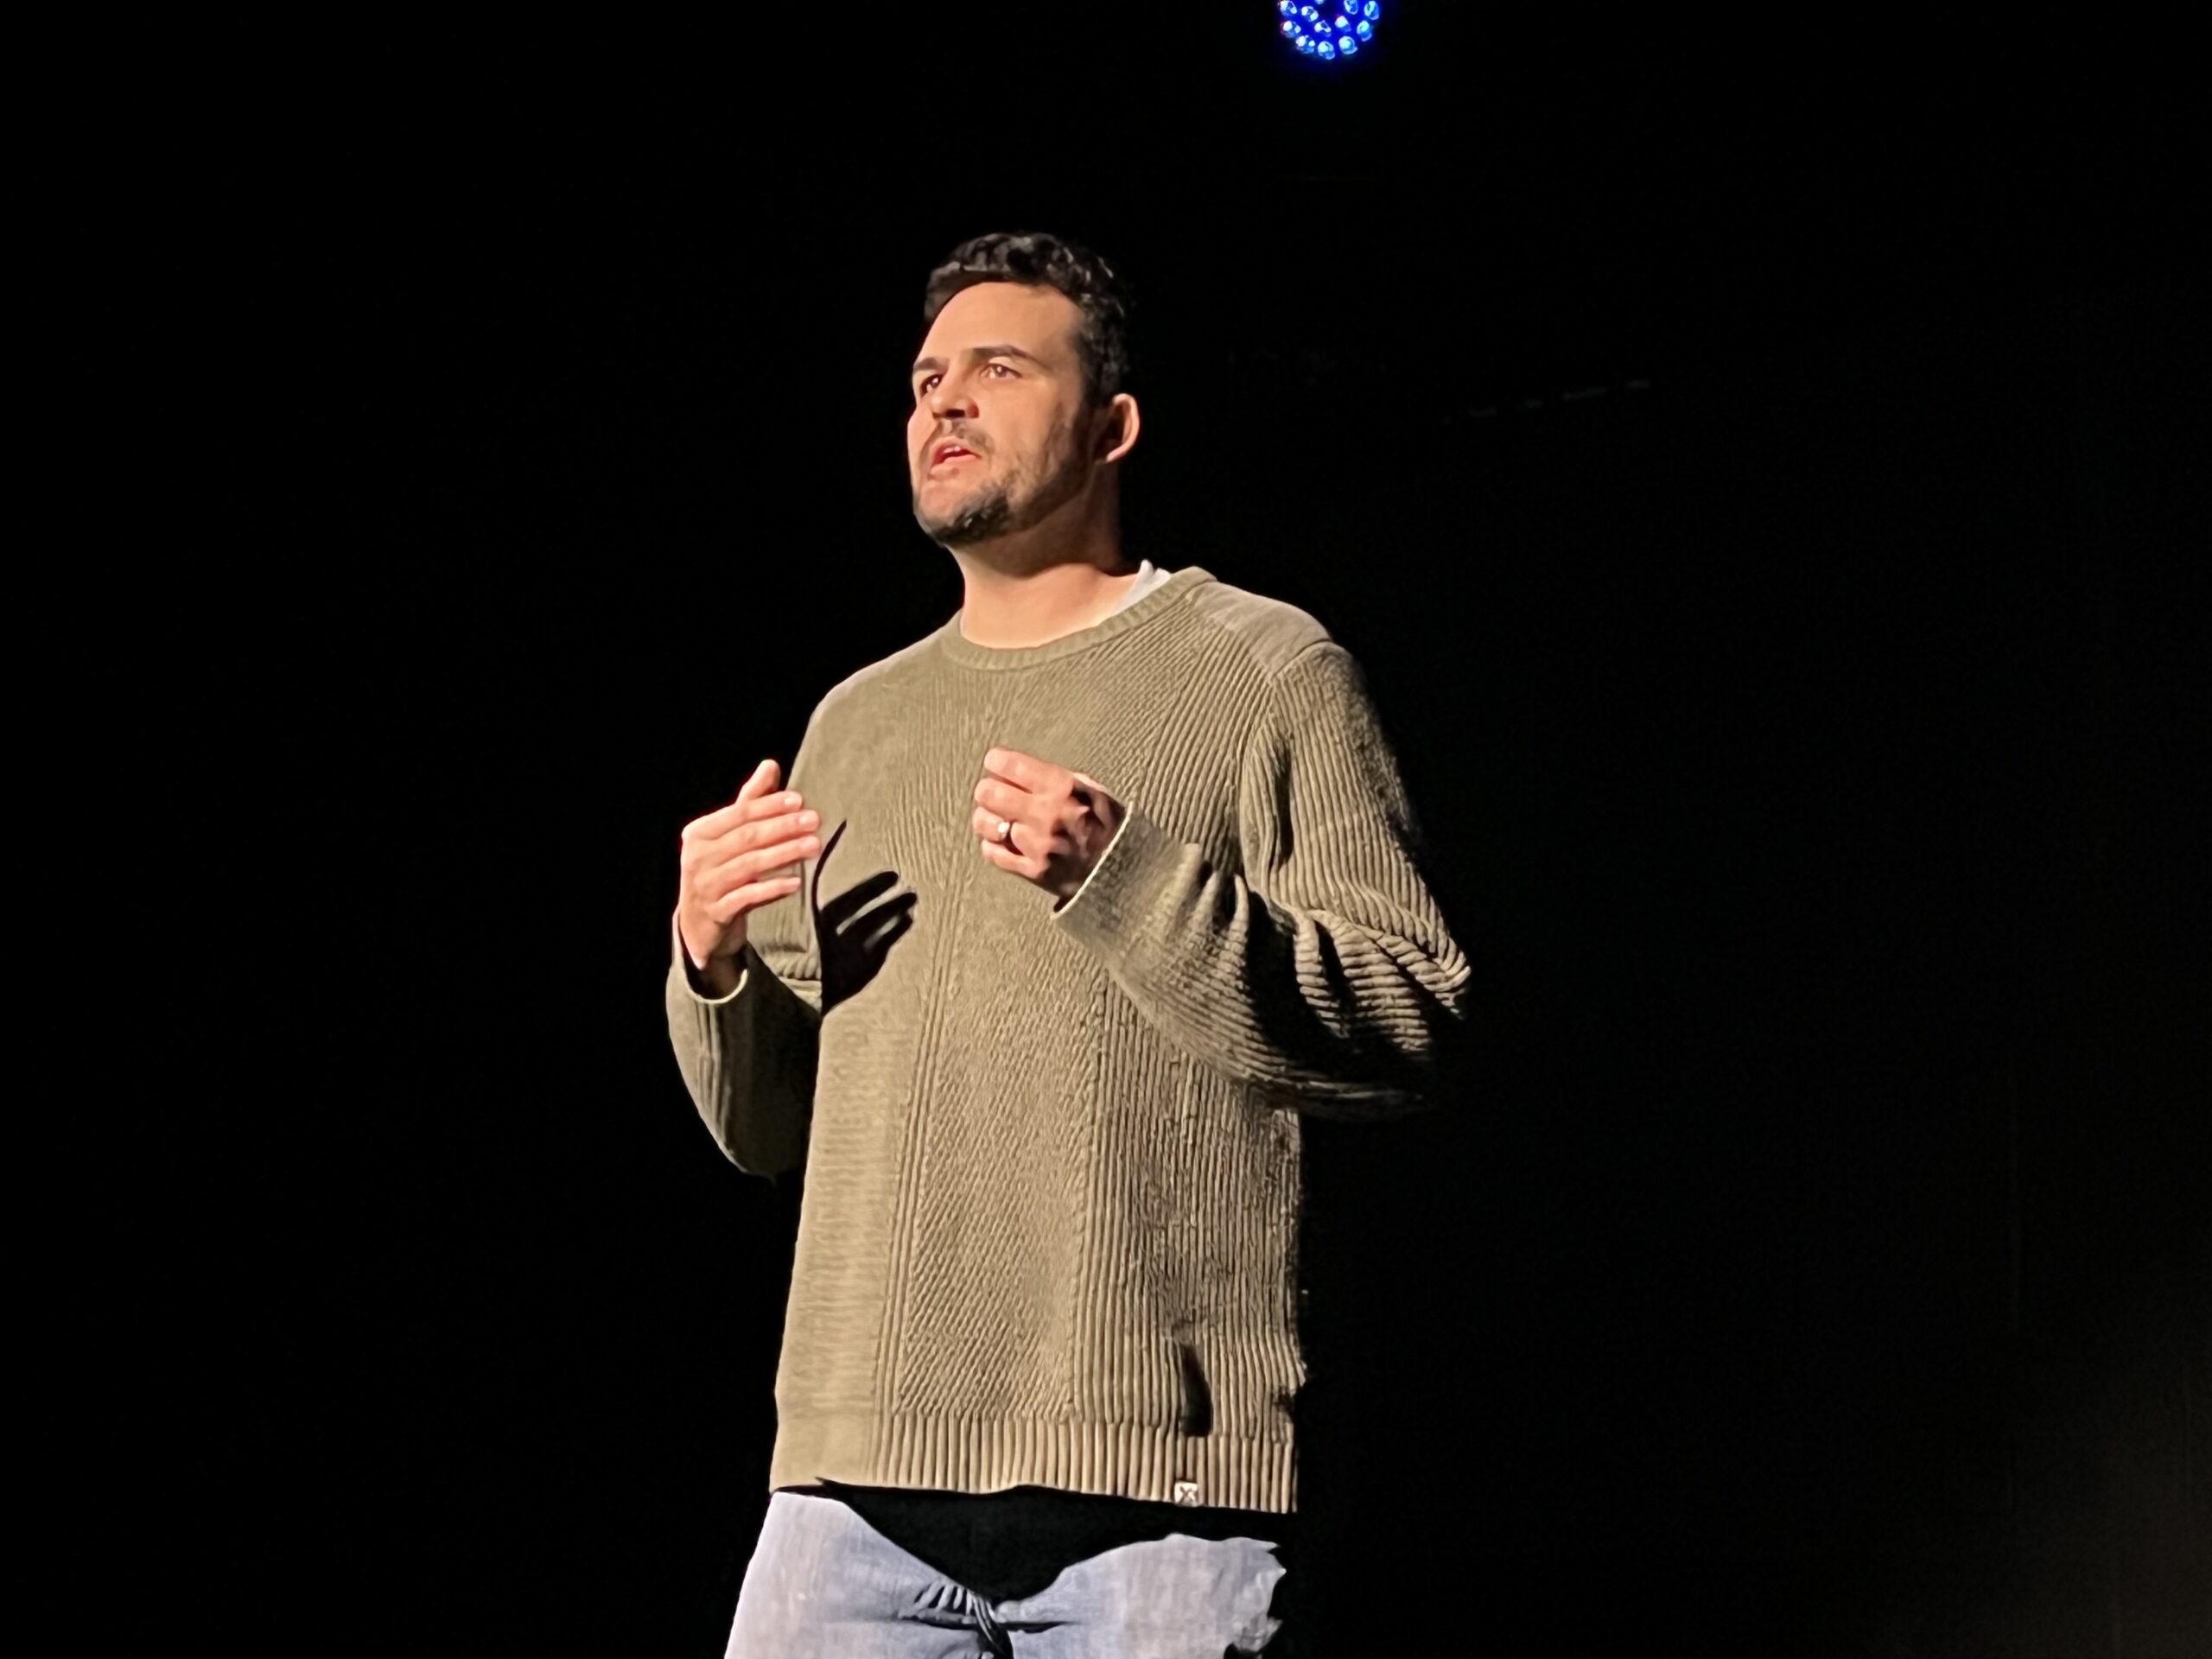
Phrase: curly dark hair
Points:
(1043, 260)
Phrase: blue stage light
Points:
(1331, 35)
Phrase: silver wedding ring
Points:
(1006, 832)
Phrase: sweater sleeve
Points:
(1321, 973)
(749, 1057)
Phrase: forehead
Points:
(1041, 320)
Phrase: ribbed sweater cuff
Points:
(680, 963)
(1124, 887)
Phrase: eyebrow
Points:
(1001, 350)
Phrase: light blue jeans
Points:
(823, 1584)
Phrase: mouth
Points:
(948, 455)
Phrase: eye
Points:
(1002, 368)
(925, 383)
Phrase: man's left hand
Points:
(1057, 822)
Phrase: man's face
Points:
(994, 441)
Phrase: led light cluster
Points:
(1335, 31)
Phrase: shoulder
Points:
(1303, 678)
(863, 686)
(1268, 634)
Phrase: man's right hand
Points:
(734, 861)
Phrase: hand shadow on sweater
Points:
(853, 934)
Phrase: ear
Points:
(1118, 428)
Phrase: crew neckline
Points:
(1172, 590)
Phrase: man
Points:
(1161, 894)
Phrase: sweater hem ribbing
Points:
(964, 1454)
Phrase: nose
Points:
(951, 398)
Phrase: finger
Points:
(986, 826)
(1026, 771)
(765, 831)
(762, 780)
(703, 853)
(784, 859)
(752, 896)
(1002, 798)
(742, 810)
(1005, 857)
(756, 865)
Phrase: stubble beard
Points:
(1005, 509)
(983, 518)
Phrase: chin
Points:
(958, 517)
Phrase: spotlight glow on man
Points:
(1066, 915)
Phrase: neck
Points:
(1020, 591)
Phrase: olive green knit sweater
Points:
(1051, 1149)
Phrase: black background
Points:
(1760, 478)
